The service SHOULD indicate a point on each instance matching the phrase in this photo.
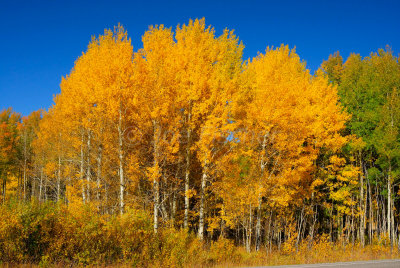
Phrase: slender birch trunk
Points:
(4, 190)
(121, 163)
(33, 188)
(24, 170)
(156, 189)
(88, 171)
(173, 213)
(389, 202)
(187, 170)
(371, 214)
(41, 185)
(393, 231)
(313, 226)
(262, 167)
(82, 168)
(362, 214)
(45, 190)
(300, 227)
(156, 185)
(59, 179)
(202, 200)
(249, 230)
(99, 167)
(165, 215)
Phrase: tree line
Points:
(259, 151)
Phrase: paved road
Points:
(355, 264)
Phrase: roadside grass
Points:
(320, 252)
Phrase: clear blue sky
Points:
(40, 40)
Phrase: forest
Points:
(183, 153)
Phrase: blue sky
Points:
(42, 39)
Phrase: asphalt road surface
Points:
(355, 264)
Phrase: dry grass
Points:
(320, 253)
(51, 236)
(335, 253)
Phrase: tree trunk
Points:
(300, 227)
(105, 197)
(156, 189)
(41, 185)
(82, 175)
(262, 168)
(121, 163)
(45, 190)
(331, 223)
(389, 203)
(4, 190)
(99, 167)
(393, 231)
(314, 215)
(156, 185)
(371, 214)
(25, 156)
(187, 171)
(362, 214)
(352, 225)
(173, 213)
(33, 188)
(249, 230)
(165, 215)
(88, 171)
(269, 235)
(202, 200)
(59, 179)
(258, 225)
(173, 199)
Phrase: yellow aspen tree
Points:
(29, 127)
(221, 85)
(98, 90)
(206, 67)
(52, 142)
(155, 90)
(290, 116)
(194, 46)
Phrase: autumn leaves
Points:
(184, 126)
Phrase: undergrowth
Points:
(56, 235)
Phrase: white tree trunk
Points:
(41, 184)
(59, 179)
(88, 172)
(262, 167)
(389, 202)
(187, 173)
(82, 175)
(362, 214)
(202, 200)
(121, 163)
(25, 156)
(156, 185)
(99, 167)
